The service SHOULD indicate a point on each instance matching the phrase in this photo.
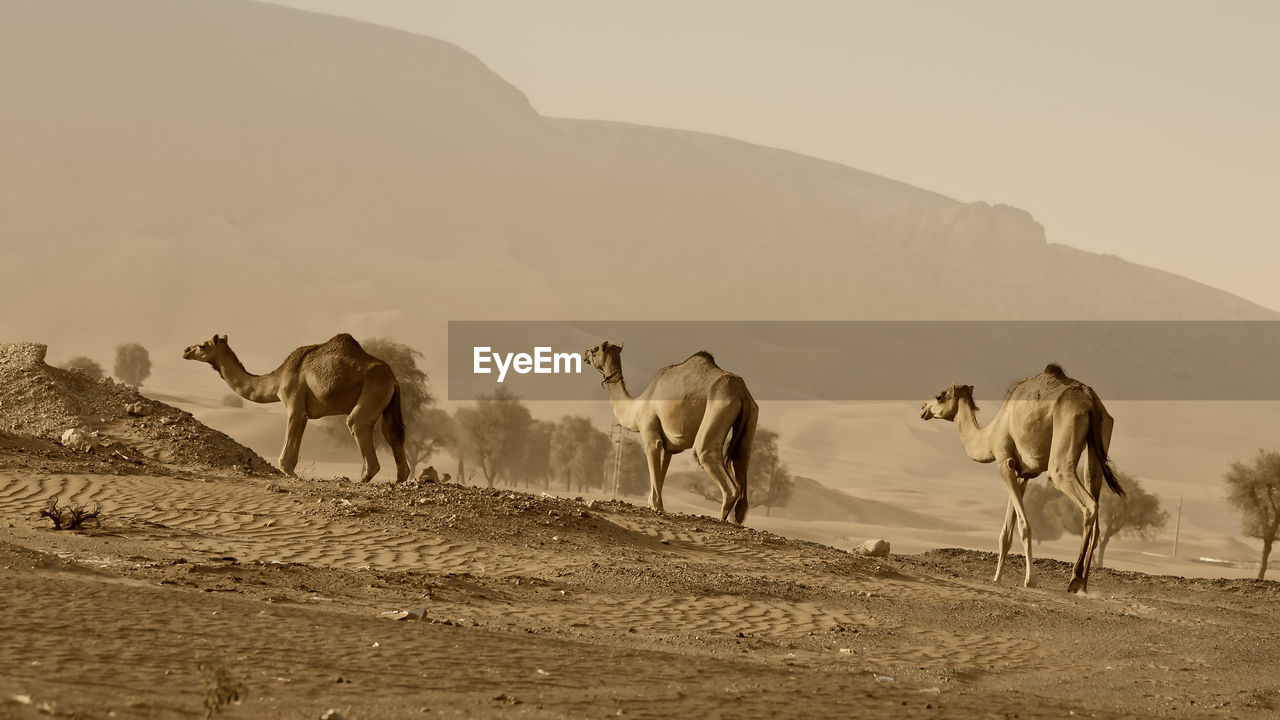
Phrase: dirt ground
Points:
(443, 601)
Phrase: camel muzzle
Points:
(925, 413)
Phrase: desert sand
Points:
(316, 594)
(386, 601)
(207, 568)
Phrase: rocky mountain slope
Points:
(193, 167)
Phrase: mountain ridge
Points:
(184, 166)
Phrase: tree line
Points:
(133, 365)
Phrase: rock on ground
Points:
(872, 548)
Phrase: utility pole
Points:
(1177, 526)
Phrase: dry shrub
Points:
(220, 688)
(71, 517)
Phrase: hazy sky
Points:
(1149, 130)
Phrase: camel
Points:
(1045, 424)
(334, 378)
(691, 405)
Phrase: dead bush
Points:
(221, 688)
(70, 517)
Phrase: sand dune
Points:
(563, 607)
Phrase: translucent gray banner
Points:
(884, 361)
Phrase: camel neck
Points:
(257, 388)
(973, 436)
(624, 406)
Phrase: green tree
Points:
(85, 365)
(459, 444)
(633, 476)
(578, 453)
(1063, 513)
(535, 455)
(435, 431)
(491, 432)
(1254, 490)
(133, 364)
(1137, 512)
(1035, 501)
(769, 482)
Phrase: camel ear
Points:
(620, 345)
(604, 345)
(220, 338)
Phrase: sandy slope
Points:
(546, 607)
(908, 481)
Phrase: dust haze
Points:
(175, 169)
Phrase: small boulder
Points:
(79, 439)
(136, 409)
(872, 548)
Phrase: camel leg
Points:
(360, 424)
(658, 459)
(740, 461)
(1070, 486)
(1006, 532)
(1016, 486)
(295, 423)
(1063, 458)
(1006, 538)
(1093, 481)
(708, 449)
(397, 451)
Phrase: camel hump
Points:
(1055, 369)
(344, 340)
(704, 355)
(700, 355)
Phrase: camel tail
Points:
(738, 451)
(393, 417)
(1095, 441)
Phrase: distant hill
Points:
(185, 167)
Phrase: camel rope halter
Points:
(614, 376)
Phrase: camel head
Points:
(607, 358)
(209, 351)
(947, 403)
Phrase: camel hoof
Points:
(1077, 586)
